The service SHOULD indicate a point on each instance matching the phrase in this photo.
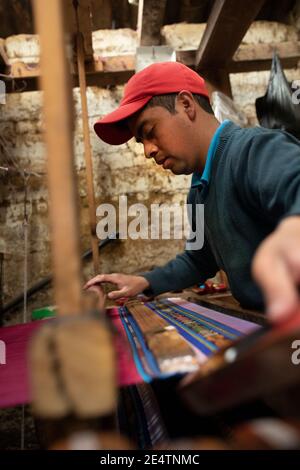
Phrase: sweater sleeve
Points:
(269, 174)
(188, 268)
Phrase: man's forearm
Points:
(179, 273)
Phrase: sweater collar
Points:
(202, 180)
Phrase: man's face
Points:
(167, 138)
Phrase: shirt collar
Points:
(203, 180)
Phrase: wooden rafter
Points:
(117, 70)
(150, 20)
(84, 23)
(258, 57)
(227, 24)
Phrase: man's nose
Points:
(150, 150)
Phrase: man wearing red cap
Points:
(248, 180)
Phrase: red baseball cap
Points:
(156, 79)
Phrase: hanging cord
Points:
(25, 282)
(10, 166)
(8, 162)
(25, 231)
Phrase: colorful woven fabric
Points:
(14, 384)
(205, 329)
(128, 373)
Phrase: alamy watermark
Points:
(159, 222)
(296, 93)
(295, 358)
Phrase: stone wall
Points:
(117, 170)
(246, 87)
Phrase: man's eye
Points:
(149, 134)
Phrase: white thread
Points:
(25, 283)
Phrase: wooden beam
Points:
(117, 70)
(150, 20)
(99, 65)
(16, 17)
(218, 80)
(84, 23)
(58, 116)
(102, 14)
(261, 65)
(226, 26)
(259, 56)
(255, 57)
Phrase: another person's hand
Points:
(276, 268)
(128, 285)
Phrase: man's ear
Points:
(186, 102)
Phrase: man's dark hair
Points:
(168, 101)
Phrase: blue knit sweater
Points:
(254, 184)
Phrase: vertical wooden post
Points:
(58, 117)
(150, 20)
(87, 151)
(217, 80)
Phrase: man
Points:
(248, 180)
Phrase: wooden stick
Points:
(87, 151)
(58, 116)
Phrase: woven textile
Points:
(205, 329)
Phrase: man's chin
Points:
(181, 171)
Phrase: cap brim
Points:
(113, 129)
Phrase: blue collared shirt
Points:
(203, 180)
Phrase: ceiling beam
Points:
(117, 70)
(84, 25)
(227, 24)
(218, 80)
(253, 57)
(258, 57)
(150, 20)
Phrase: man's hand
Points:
(276, 268)
(94, 298)
(128, 286)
